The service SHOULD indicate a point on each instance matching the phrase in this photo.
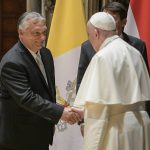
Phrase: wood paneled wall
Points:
(10, 10)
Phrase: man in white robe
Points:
(113, 91)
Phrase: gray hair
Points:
(25, 17)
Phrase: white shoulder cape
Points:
(117, 74)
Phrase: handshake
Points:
(72, 115)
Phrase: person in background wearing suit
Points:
(28, 109)
(119, 12)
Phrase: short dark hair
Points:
(116, 7)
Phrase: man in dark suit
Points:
(119, 12)
(28, 109)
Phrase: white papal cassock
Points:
(112, 92)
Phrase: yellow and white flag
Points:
(67, 32)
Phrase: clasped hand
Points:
(72, 115)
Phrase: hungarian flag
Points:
(138, 22)
(67, 33)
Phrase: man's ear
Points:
(96, 32)
(124, 21)
(20, 32)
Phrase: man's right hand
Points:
(71, 115)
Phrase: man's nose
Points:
(43, 37)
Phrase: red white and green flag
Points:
(138, 22)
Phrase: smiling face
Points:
(34, 35)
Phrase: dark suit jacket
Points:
(87, 52)
(28, 111)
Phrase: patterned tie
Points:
(41, 66)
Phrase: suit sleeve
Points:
(83, 64)
(16, 81)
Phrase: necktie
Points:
(41, 66)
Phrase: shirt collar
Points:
(33, 53)
(108, 40)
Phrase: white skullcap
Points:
(104, 21)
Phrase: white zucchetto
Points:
(104, 21)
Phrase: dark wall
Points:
(10, 10)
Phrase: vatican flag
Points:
(67, 32)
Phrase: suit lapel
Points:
(49, 70)
(31, 61)
(126, 38)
